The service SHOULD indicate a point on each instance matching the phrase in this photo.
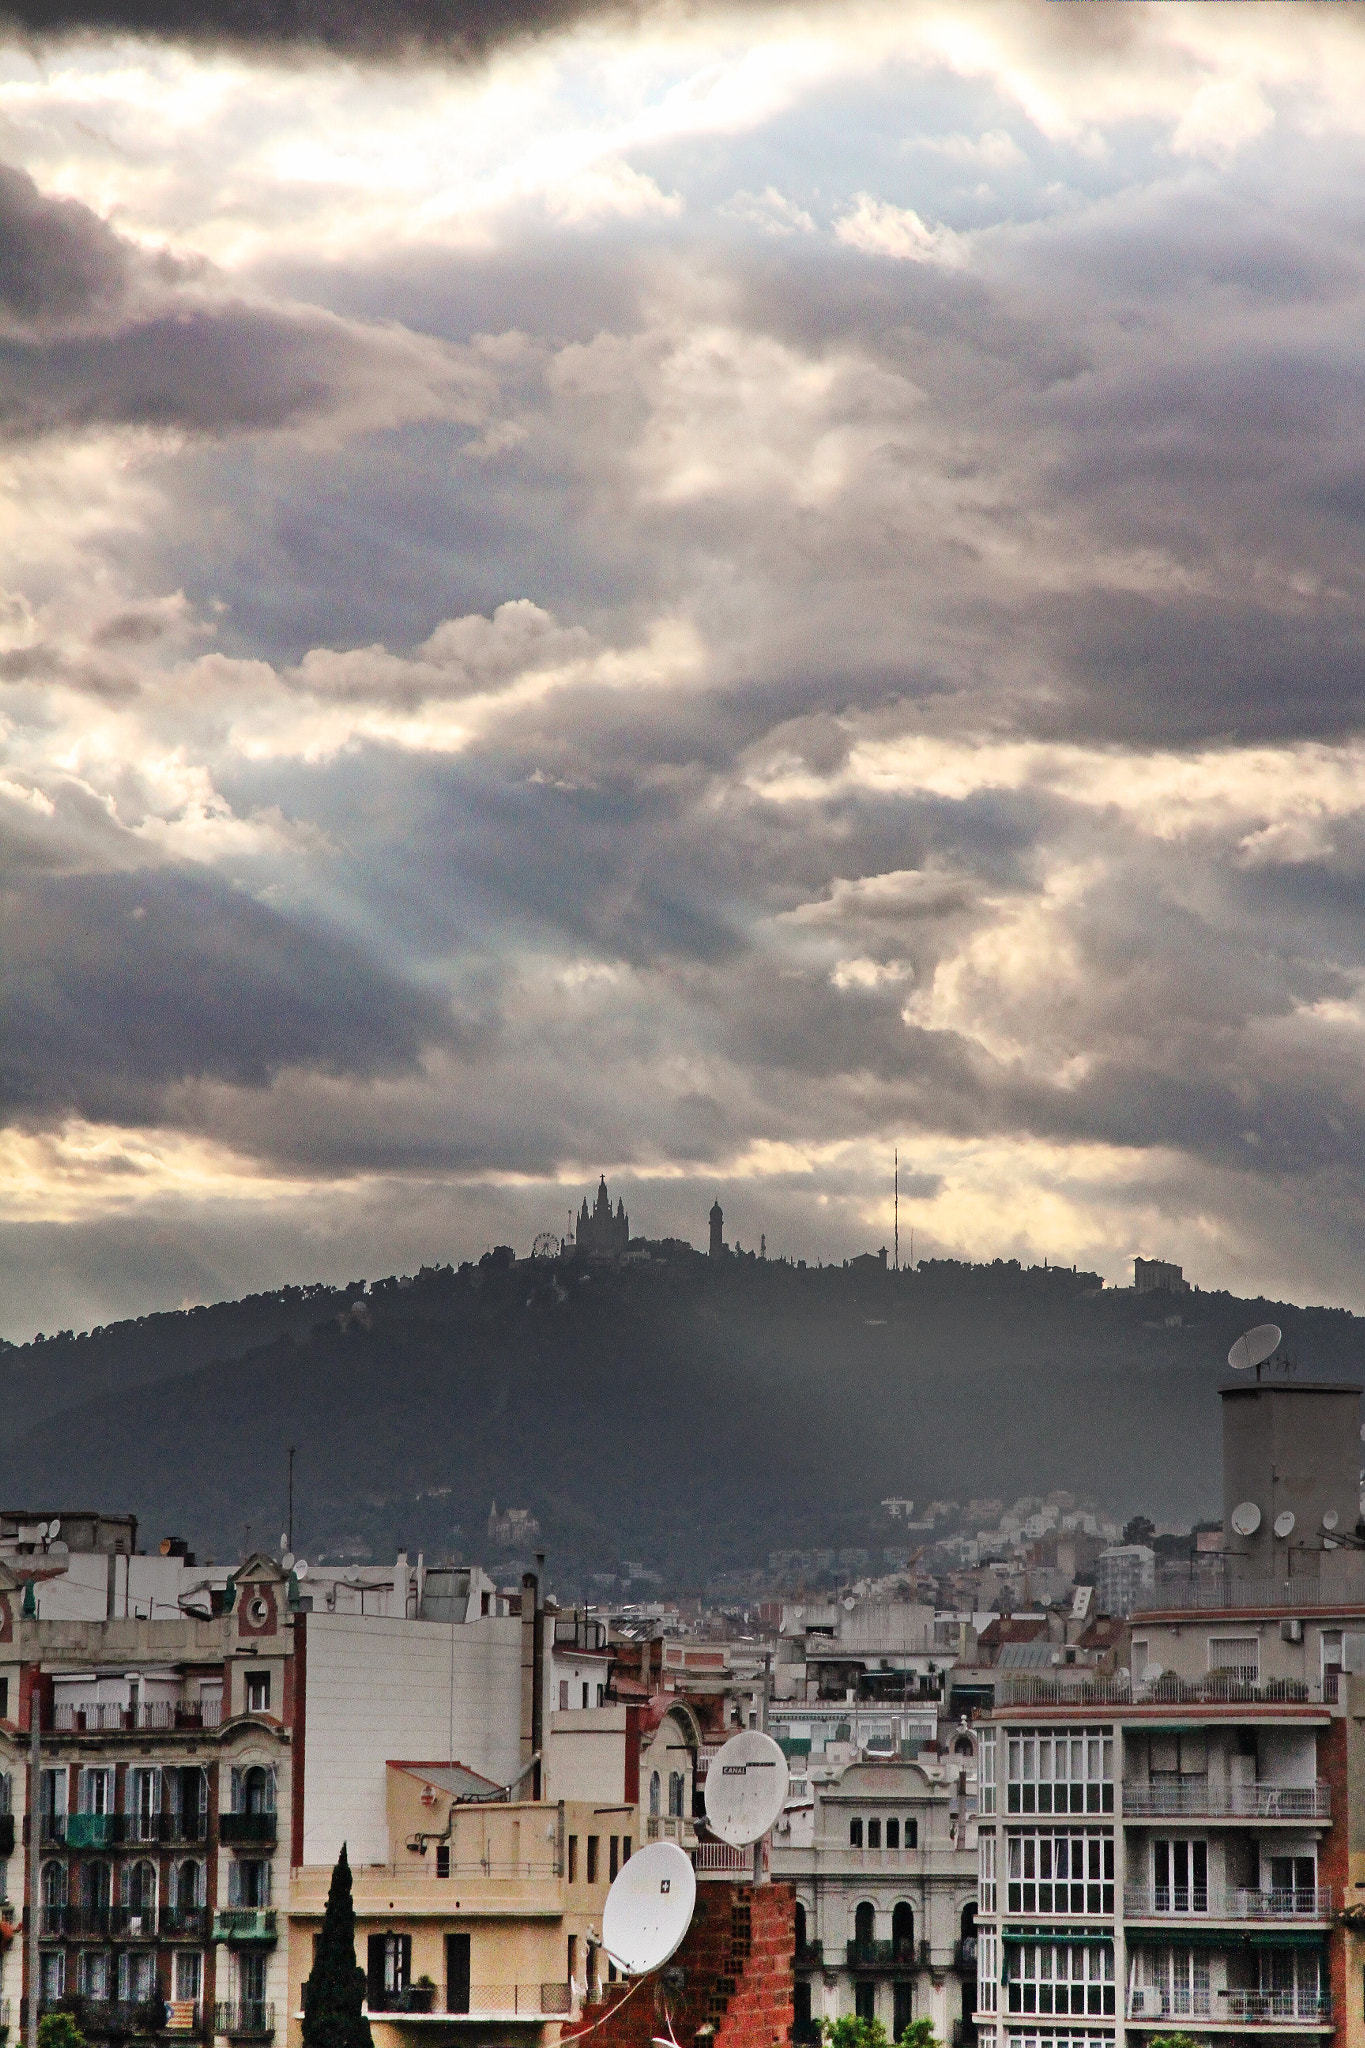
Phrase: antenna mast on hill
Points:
(897, 1156)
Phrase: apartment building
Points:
(485, 1912)
(882, 1854)
(1168, 1847)
(165, 1767)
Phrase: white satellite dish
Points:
(41, 1532)
(1253, 1347)
(1152, 1673)
(301, 1568)
(649, 1908)
(53, 1529)
(746, 1787)
(1284, 1524)
(1246, 1518)
(1330, 1519)
(288, 1560)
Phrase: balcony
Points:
(236, 1830)
(1196, 1799)
(241, 1926)
(810, 1955)
(404, 1998)
(669, 1827)
(185, 1923)
(1277, 2008)
(99, 1717)
(252, 2020)
(95, 1830)
(1149, 1902)
(519, 2001)
(881, 1955)
(111, 2017)
(964, 1956)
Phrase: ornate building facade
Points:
(599, 1232)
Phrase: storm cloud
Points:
(705, 597)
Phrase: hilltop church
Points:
(599, 1233)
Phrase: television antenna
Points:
(649, 1908)
(1253, 1348)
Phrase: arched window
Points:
(865, 1924)
(54, 1897)
(139, 1881)
(655, 1786)
(969, 1920)
(903, 1928)
(963, 1746)
(187, 1886)
(800, 1925)
(256, 1790)
(97, 1887)
(676, 1782)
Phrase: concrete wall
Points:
(1294, 1448)
(381, 1687)
(587, 1755)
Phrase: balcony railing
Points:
(1084, 1689)
(95, 1830)
(1148, 1902)
(251, 2020)
(404, 1998)
(719, 1856)
(99, 1717)
(112, 2016)
(1270, 2008)
(181, 1923)
(1198, 1799)
(237, 1828)
(881, 1955)
(667, 1827)
(810, 1955)
(241, 1924)
(1153, 2002)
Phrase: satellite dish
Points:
(1253, 1347)
(41, 1532)
(1152, 1673)
(53, 1529)
(849, 1602)
(288, 1560)
(1246, 1518)
(301, 1568)
(1330, 1519)
(649, 1908)
(746, 1787)
(1284, 1524)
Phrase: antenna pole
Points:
(760, 1874)
(291, 1496)
(898, 1207)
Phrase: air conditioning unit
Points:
(1291, 1631)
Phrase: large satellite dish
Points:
(1246, 1518)
(746, 1788)
(649, 1908)
(1284, 1524)
(53, 1529)
(1253, 1347)
(1330, 1519)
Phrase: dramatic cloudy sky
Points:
(699, 593)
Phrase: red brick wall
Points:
(737, 1968)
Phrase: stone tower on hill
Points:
(717, 1230)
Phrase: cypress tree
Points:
(335, 1992)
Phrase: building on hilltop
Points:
(599, 1233)
(1158, 1276)
(717, 1250)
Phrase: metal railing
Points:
(244, 1923)
(513, 2000)
(1341, 1583)
(182, 1922)
(251, 2018)
(404, 1998)
(99, 1717)
(1266, 2008)
(1216, 1688)
(719, 1856)
(668, 1827)
(1196, 1797)
(247, 1827)
(810, 1955)
(1141, 1902)
(881, 1955)
(113, 2016)
(1154, 2002)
